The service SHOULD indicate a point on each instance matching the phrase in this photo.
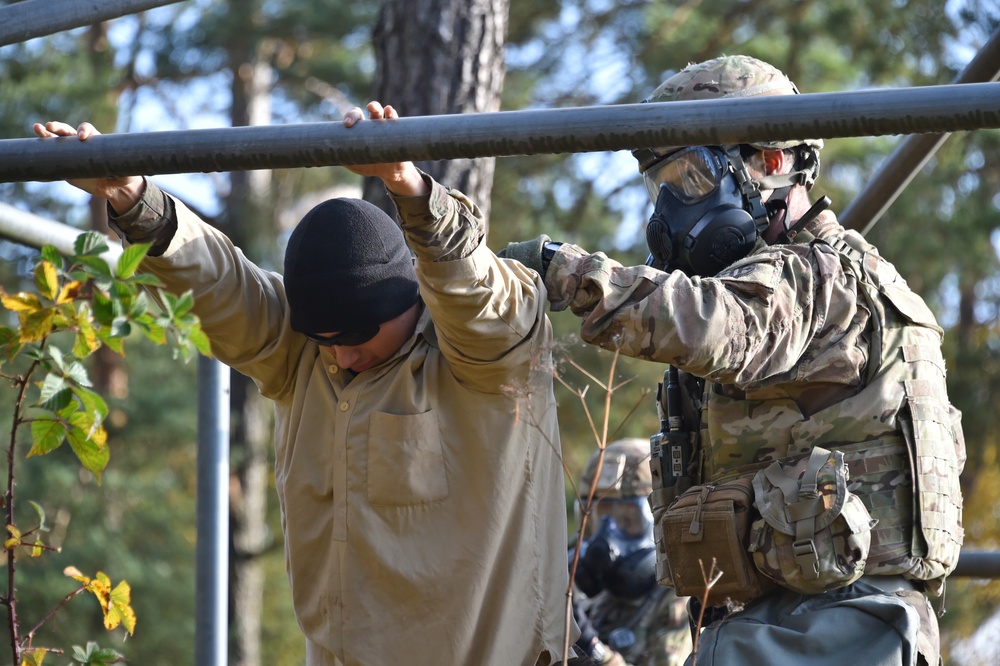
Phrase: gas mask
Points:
(619, 555)
(707, 213)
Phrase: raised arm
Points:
(122, 193)
(400, 178)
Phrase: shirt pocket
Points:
(405, 460)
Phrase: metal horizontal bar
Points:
(600, 128)
(27, 19)
(978, 564)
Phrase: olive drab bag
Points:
(813, 533)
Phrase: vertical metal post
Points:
(212, 576)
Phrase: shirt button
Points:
(334, 369)
(344, 406)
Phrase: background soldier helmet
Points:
(625, 472)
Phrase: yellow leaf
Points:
(33, 657)
(87, 336)
(68, 292)
(119, 608)
(22, 302)
(47, 279)
(100, 587)
(15, 538)
(76, 574)
(36, 325)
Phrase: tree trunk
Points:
(436, 57)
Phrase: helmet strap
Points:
(748, 187)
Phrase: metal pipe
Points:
(34, 231)
(212, 548)
(978, 564)
(913, 152)
(24, 20)
(709, 122)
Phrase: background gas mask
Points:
(707, 213)
(616, 548)
(619, 555)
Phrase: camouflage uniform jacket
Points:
(658, 621)
(814, 343)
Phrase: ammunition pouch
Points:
(813, 534)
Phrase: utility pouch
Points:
(813, 534)
(706, 523)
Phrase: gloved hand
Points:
(528, 253)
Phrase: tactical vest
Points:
(901, 437)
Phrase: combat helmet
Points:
(618, 551)
(625, 472)
(733, 77)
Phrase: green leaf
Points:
(200, 341)
(41, 515)
(104, 309)
(130, 259)
(46, 435)
(51, 255)
(153, 331)
(97, 266)
(96, 656)
(92, 403)
(120, 328)
(78, 374)
(54, 394)
(184, 304)
(93, 455)
(90, 243)
(145, 279)
(57, 358)
(140, 305)
(116, 345)
(51, 386)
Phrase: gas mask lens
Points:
(691, 175)
(631, 517)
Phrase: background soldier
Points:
(626, 617)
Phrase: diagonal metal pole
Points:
(913, 152)
(27, 19)
(945, 108)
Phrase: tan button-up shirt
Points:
(422, 500)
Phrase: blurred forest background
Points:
(215, 63)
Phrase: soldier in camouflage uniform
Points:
(634, 621)
(793, 337)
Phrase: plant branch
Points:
(11, 601)
(54, 610)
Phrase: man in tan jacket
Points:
(417, 452)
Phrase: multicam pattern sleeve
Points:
(489, 313)
(437, 228)
(781, 314)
